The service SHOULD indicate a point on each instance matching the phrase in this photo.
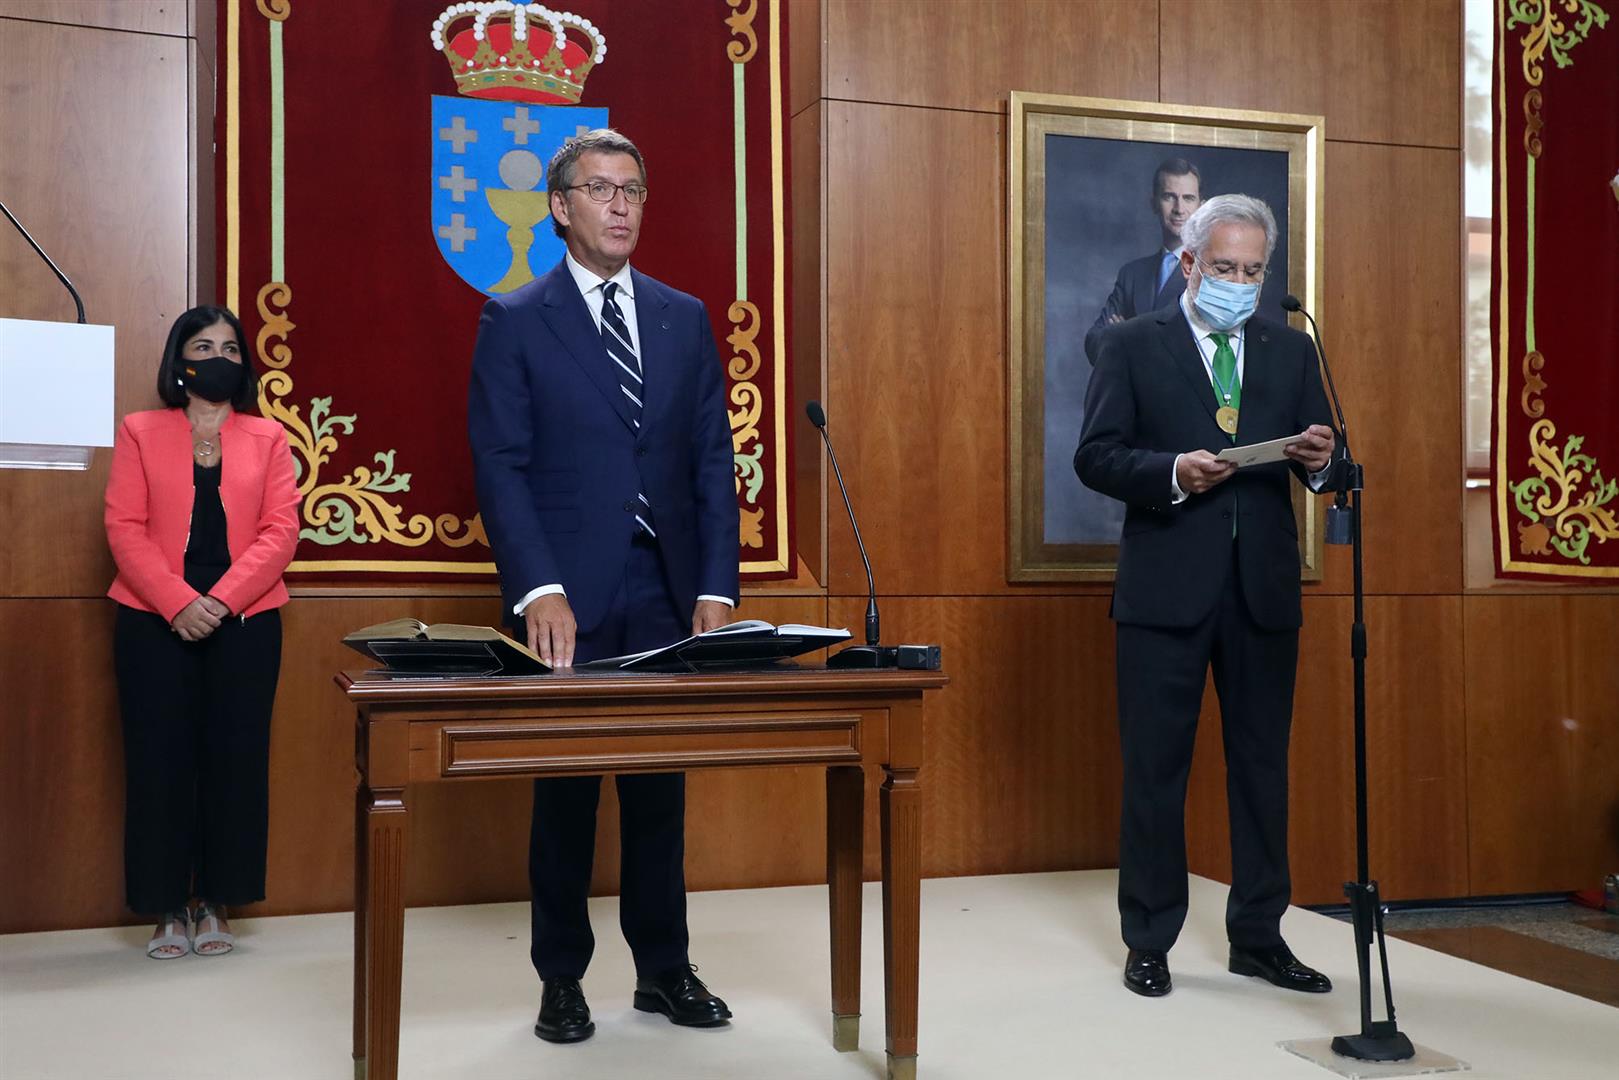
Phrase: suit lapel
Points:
(1182, 348)
(652, 327)
(564, 311)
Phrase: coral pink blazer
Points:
(149, 497)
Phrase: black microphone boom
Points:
(48, 262)
(1291, 303)
(871, 654)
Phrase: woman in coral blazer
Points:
(202, 518)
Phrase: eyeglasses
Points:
(1230, 271)
(602, 191)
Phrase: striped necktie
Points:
(616, 340)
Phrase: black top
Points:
(207, 553)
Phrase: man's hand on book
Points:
(709, 615)
(551, 628)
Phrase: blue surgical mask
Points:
(1225, 305)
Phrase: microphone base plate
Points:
(865, 656)
(873, 657)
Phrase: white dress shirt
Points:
(1236, 338)
(590, 287)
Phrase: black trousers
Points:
(196, 719)
(652, 813)
(1161, 675)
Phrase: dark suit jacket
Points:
(1135, 293)
(558, 463)
(1150, 399)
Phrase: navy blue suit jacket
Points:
(558, 462)
(1135, 292)
(1149, 400)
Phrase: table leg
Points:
(845, 836)
(386, 829)
(901, 802)
(362, 801)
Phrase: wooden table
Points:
(422, 731)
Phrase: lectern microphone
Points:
(871, 654)
(78, 303)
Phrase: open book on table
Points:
(411, 647)
(746, 644)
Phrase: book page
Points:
(800, 630)
(393, 630)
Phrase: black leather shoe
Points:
(1146, 971)
(1278, 966)
(681, 996)
(564, 1013)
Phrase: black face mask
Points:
(214, 379)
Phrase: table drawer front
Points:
(542, 747)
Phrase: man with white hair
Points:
(1208, 574)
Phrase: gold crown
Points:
(494, 48)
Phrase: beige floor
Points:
(1020, 979)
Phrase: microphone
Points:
(817, 416)
(1340, 519)
(41, 253)
(871, 654)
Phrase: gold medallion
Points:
(1226, 417)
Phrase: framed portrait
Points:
(1097, 192)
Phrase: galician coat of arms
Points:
(520, 75)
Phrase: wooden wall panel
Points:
(1385, 71)
(61, 784)
(809, 326)
(142, 16)
(1416, 755)
(62, 772)
(1543, 741)
(969, 54)
(1392, 328)
(1021, 750)
(107, 113)
(806, 41)
(916, 345)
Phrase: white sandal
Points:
(210, 931)
(176, 934)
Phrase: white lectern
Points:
(55, 393)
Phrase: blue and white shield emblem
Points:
(491, 217)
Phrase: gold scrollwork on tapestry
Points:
(277, 10)
(1561, 515)
(354, 509)
(1548, 33)
(1532, 123)
(743, 367)
(1533, 384)
(753, 528)
(276, 324)
(742, 23)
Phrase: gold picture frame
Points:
(1160, 130)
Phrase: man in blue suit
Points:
(1152, 281)
(603, 460)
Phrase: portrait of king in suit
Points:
(1114, 209)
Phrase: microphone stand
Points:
(1378, 1040)
(48, 261)
(871, 654)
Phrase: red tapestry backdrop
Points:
(381, 172)
(1555, 320)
